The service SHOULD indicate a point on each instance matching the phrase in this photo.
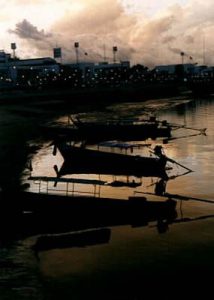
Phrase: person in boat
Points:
(158, 150)
(160, 187)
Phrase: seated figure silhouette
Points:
(160, 187)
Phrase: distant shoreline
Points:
(92, 95)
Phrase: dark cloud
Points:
(25, 30)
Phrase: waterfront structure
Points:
(174, 68)
(93, 74)
(95, 68)
(15, 72)
(47, 72)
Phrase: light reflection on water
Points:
(194, 152)
(135, 257)
(134, 254)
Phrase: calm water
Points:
(187, 147)
(136, 260)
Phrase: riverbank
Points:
(84, 95)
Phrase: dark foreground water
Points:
(137, 262)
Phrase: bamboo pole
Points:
(176, 196)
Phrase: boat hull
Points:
(103, 132)
(86, 161)
(123, 132)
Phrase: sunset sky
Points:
(150, 32)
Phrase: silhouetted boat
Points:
(81, 160)
(56, 213)
(124, 130)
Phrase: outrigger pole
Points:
(201, 130)
(170, 159)
(180, 137)
(175, 196)
(175, 162)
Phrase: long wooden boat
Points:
(124, 129)
(80, 160)
(39, 213)
(112, 130)
(63, 212)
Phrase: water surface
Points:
(143, 259)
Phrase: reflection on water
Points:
(19, 274)
(134, 259)
(133, 254)
(194, 152)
